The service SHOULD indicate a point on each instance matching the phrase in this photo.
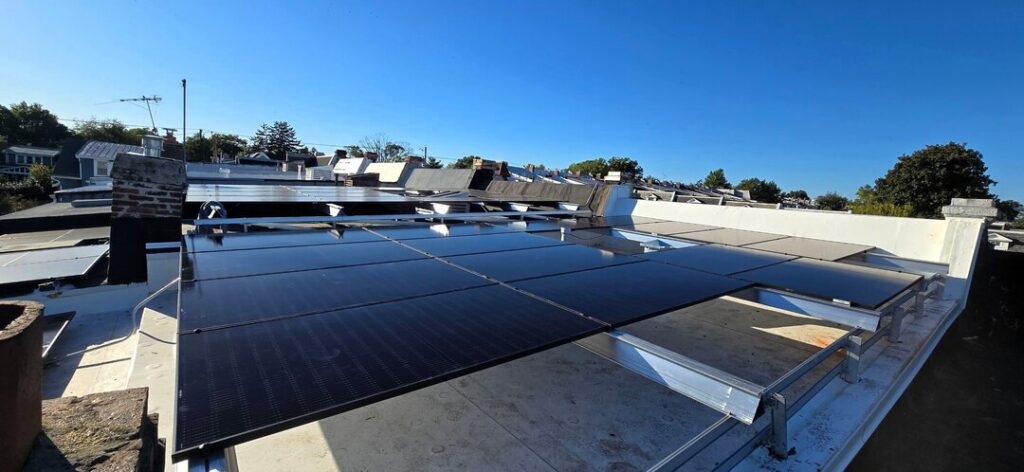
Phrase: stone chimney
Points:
(21, 380)
(971, 208)
(147, 203)
(372, 156)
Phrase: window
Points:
(102, 167)
(19, 159)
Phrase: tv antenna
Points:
(154, 99)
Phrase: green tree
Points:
(465, 162)
(625, 164)
(230, 144)
(832, 201)
(199, 148)
(797, 195)
(766, 191)
(432, 163)
(354, 151)
(111, 131)
(42, 176)
(1011, 209)
(868, 203)
(930, 177)
(594, 167)
(276, 140)
(25, 123)
(716, 179)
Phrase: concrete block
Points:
(21, 371)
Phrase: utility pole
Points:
(184, 97)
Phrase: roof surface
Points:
(33, 150)
(104, 150)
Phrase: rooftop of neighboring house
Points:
(32, 150)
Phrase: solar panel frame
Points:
(730, 236)
(669, 228)
(442, 247)
(276, 239)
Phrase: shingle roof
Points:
(105, 151)
(33, 150)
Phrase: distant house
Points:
(95, 159)
(17, 159)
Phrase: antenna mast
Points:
(154, 99)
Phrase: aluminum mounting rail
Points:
(724, 392)
(843, 314)
(370, 218)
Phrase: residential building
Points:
(18, 158)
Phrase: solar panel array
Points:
(281, 328)
(273, 335)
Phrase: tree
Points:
(832, 201)
(797, 195)
(595, 167)
(23, 123)
(1011, 209)
(868, 203)
(387, 150)
(42, 176)
(354, 151)
(761, 190)
(199, 148)
(930, 177)
(111, 131)
(276, 140)
(464, 162)
(230, 144)
(625, 164)
(716, 179)
(432, 163)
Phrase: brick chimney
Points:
(147, 203)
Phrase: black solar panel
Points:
(219, 302)
(526, 263)
(670, 227)
(438, 230)
(247, 381)
(723, 260)
(863, 286)
(626, 293)
(268, 239)
(209, 265)
(480, 244)
(613, 221)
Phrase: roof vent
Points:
(152, 146)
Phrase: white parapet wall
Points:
(952, 241)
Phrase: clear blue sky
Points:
(815, 95)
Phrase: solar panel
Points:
(626, 293)
(670, 227)
(230, 193)
(863, 286)
(248, 262)
(730, 236)
(527, 263)
(220, 302)
(814, 248)
(46, 264)
(480, 244)
(722, 260)
(251, 380)
(269, 239)
(439, 230)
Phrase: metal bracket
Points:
(851, 365)
(838, 313)
(896, 324)
(720, 390)
(778, 437)
(220, 460)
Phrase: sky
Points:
(820, 96)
